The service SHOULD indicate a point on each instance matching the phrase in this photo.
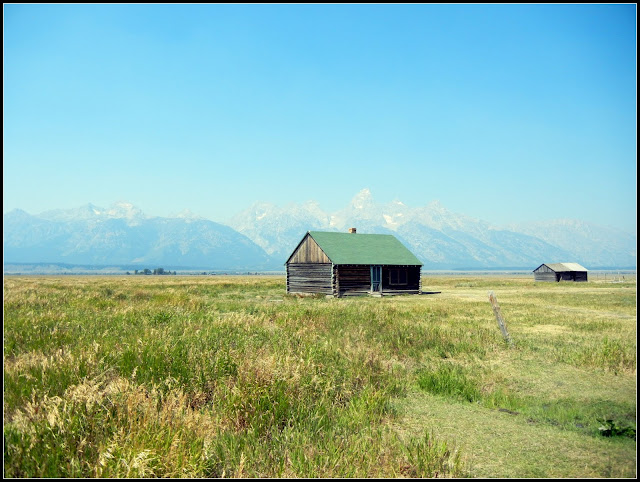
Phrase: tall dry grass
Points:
(145, 376)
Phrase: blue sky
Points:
(507, 113)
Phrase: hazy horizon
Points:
(505, 113)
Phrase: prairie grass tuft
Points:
(449, 380)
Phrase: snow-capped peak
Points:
(187, 215)
(362, 200)
(125, 210)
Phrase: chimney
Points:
(352, 230)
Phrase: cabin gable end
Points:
(308, 251)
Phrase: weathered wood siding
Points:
(544, 273)
(309, 278)
(413, 285)
(309, 252)
(352, 279)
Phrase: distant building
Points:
(560, 272)
(342, 264)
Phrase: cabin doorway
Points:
(376, 279)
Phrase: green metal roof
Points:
(354, 248)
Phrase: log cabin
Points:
(345, 264)
(560, 272)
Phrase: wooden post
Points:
(501, 324)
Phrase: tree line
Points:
(155, 271)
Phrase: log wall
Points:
(352, 279)
(347, 280)
(309, 278)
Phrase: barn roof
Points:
(560, 267)
(370, 249)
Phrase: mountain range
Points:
(262, 237)
(123, 235)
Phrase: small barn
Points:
(560, 272)
(343, 264)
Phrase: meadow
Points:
(229, 376)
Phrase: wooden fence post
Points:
(501, 324)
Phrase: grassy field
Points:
(228, 376)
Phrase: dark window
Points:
(397, 276)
